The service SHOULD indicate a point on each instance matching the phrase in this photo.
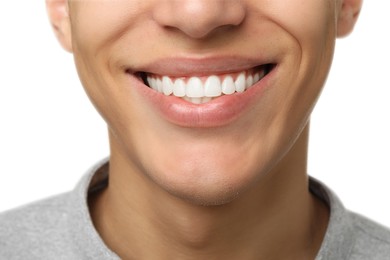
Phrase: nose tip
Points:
(199, 18)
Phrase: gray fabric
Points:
(61, 228)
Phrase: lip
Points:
(220, 111)
(198, 66)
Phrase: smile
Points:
(203, 92)
(203, 89)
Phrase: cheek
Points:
(96, 27)
(307, 21)
(311, 27)
(97, 23)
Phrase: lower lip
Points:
(218, 112)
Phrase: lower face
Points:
(204, 118)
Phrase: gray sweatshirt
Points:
(61, 228)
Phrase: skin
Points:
(238, 191)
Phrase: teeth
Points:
(179, 88)
(152, 82)
(249, 81)
(202, 90)
(159, 87)
(198, 100)
(167, 86)
(240, 83)
(228, 86)
(256, 77)
(194, 88)
(212, 87)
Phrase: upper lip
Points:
(184, 66)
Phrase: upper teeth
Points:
(203, 89)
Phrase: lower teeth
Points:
(200, 100)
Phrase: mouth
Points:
(203, 93)
(205, 88)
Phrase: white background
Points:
(50, 134)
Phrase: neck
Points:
(278, 212)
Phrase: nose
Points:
(199, 18)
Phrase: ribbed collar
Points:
(339, 237)
(87, 241)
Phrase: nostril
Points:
(197, 19)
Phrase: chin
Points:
(206, 171)
(207, 187)
(205, 194)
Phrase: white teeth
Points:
(152, 82)
(195, 100)
(200, 90)
(240, 83)
(167, 86)
(194, 88)
(212, 87)
(228, 86)
(179, 88)
(206, 99)
(159, 86)
(249, 81)
(256, 77)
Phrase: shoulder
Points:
(36, 228)
(372, 240)
(350, 235)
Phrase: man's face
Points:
(208, 152)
